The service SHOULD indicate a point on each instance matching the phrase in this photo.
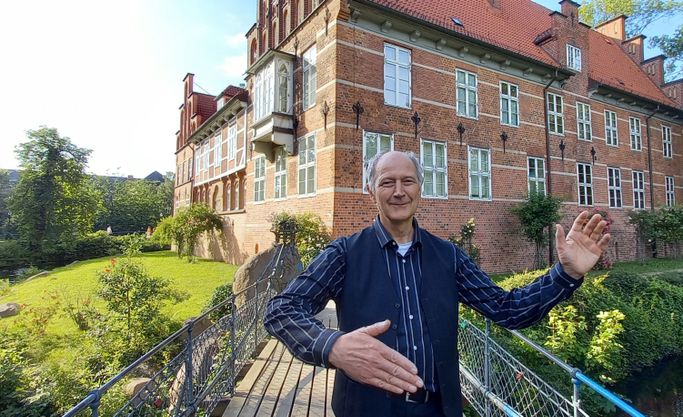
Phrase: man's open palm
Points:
(581, 248)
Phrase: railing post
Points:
(189, 387)
(95, 406)
(256, 318)
(576, 400)
(233, 345)
(487, 364)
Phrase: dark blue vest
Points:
(368, 296)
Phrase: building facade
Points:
(497, 97)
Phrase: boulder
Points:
(132, 388)
(9, 309)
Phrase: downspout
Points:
(547, 161)
(652, 181)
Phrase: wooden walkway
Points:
(277, 385)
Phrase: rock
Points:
(259, 267)
(9, 310)
(135, 386)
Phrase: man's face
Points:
(397, 190)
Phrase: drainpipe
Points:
(652, 181)
(547, 162)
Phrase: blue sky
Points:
(109, 74)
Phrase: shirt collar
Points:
(384, 238)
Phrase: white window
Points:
(573, 57)
(435, 171)
(220, 103)
(283, 89)
(666, 142)
(670, 193)
(536, 175)
(232, 141)
(198, 159)
(614, 187)
(217, 149)
(555, 115)
(634, 133)
(585, 181)
(611, 128)
(260, 178)
(638, 190)
(374, 143)
(397, 79)
(307, 165)
(584, 130)
(280, 173)
(466, 92)
(480, 174)
(310, 76)
(263, 92)
(509, 104)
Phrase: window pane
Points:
(403, 73)
(440, 156)
(475, 186)
(429, 184)
(484, 161)
(403, 57)
(441, 184)
(485, 192)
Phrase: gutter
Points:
(649, 166)
(548, 181)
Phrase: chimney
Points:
(570, 9)
(634, 48)
(674, 90)
(654, 68)
(614, 28)
(189, 84)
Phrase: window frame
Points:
(479, 174)
(635, 137)
(614, 190)
(670, 190)
(232, 141)
(397, 65)
(367, 157)
(264, 90)
(510, 100)
(536, 179)
(218, 149)
(280, 179)
(309, 81)
(666, 143)
(638, 183)
(260, 180)
(434, 170)
(303, 153)
(584, 125)
(552, 100)
(611, 130)
(467, 89)
(588, 186)
(574, 57)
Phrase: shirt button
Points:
(571, 285)
(397, 305)
(410, 316)
(414, 347)
(407, 288)
(404, 261)
(393, 326)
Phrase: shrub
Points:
(220, 294)
(311, 233)
(186, 226)
(465, 241)
(537, 216)
(12, 255)
(26, 273)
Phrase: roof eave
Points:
(645, 102)
(233, 106)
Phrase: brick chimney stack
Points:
(614, 28)
(654, 68)
(634, 47)
(570, 9)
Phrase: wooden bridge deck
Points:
(277, 385)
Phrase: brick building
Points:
(497, 97)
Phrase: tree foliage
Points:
(186, 226)
(4, 211)
(54, 199)
(641, 14)
(311, 233)
(537, 215)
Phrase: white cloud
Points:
(236, 40)
(234, 67)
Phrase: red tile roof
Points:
(205, 105)
(514, 26)
(231, 91)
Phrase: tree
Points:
(641, 13)
(186, 226)
(4, 211)
(537, 213)
(53, 200)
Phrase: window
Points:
(614, 187)
(634, 133)
(611, 128)
(310, 77)
(283, 90)
(397, 78)
(638, 190)
(263, 92)
(555, 116)
(280, 173)
(666, 142)
(220, 103)
(670, 193)
(585, 182)
(206, 149)
(466, 92)
(232, 141)
(509, 104)
(217, 151)
(536, 175)
(584, 131)
(480, 174)
(307, 165)
(374, 143)
(260, 178)
(573, 57)
(198, 159)
(435, 171)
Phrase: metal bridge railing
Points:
(498, 385)
(195, 368)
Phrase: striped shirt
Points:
(290, 315)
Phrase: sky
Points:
(108, 75)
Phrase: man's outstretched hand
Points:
(367, 360)
(581, 248)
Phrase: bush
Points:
(537, 216)
(311, 233)
(220, 294)
(465, 241)
(12, 255)
(186, 226)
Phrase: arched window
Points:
(264, 44)
(214, 200)
(275, 35)
(254, 51)
(285, 24)
(302, 10)
(283, 91)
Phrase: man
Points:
(397, 288)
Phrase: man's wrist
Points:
(323, 346)
(563, 278)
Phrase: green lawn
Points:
(79, 281)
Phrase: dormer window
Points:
(220, 103)
(573, 57)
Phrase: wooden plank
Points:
(245, 385)
(316, 407)
(288, 392)
(330, 387)
(253, 401)
(274, 390)
(303, 392)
